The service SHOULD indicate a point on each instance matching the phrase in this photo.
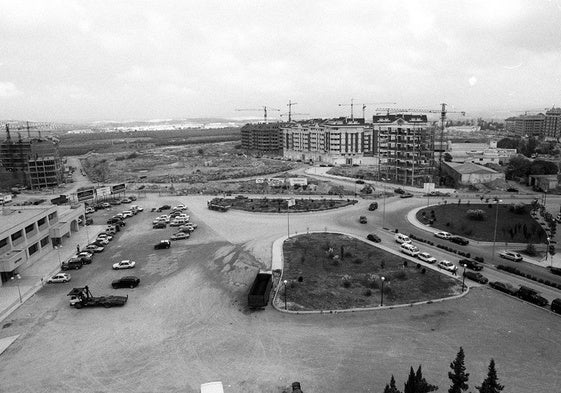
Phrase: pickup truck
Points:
(82, 297)
(258, 296)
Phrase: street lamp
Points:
(382, 292)
(285, 282)
(17, 277)
(547, 251)
(497, 201)
(464, 278)
(384, 211)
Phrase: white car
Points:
(105, 235)
(179, 236)
(426, 257)
(124, 264)
(443, 235)
(84, 254)
(90, 210)
(179, 207)
(447, 265)
(94, 248)
(164, 218)
(513, 256)
(59, 278)
(127, 214)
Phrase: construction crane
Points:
(293, 114)
(263, 108)
(442, 112)
(289, 105)
(364, 106)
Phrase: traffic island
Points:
(278, 205)
(330, 272)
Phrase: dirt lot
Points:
(187, 324)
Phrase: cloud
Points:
(8, 90)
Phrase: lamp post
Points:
(497, 201)
(464, 278)
(285, 282)
(547, 251)
(382, 292)
(384, 210)
(17, 277)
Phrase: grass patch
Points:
(280, 205)
(348, 284)
(512, 226)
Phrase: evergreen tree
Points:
(391, 388)
(417, 384)
(491, 383)
(458, 375)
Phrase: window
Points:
(42, 221)
(44, 241)
(3, 242)
(29, 228)
(16, 235)
(33, 249)
(52, 216)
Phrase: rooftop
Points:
(11, 216)
(469, 167)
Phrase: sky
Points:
(137, 60)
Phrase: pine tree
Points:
(458, 375)
(391, 388)
(491, 383)
(410, 386)
(417, 384)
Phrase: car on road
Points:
(159, 225)
(504, 287)
(399, 191)
(84, 257)
(513, 256)
(443, 235)
(94, 248)
(401, 238)
(406, 195)
(470, 264)
(114, 220)
(105, 235)
(512, 189)
(359, 181)
(362, 220)
(459, 240)
(59, 278)
(179, 236)
(556, 305)
(426, 257)
(126, 282)
(164, 207)
(447, 265)
(124, 264)
(478, 277)
(84, 254)
(373, 238)
(532, 296)
(373, 206)
(163, 244)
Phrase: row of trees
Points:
(459, 378)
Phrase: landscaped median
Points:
(278, 205)
(329, 271)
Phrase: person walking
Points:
(77, 248)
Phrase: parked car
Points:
(443, 235)
(114, 220)
(163, 244)
(179, 236)
(359, 181)
(362, 220)
(556, 305)
(503, 287)
(447, 265)
(399, 191)
(127, 214)
(84, 254)
(101, 242)
(406, 195)
(114, 202)
(90, 210)
(164, 207)
(459, 240)
(532, 296)
(159, 225)
(126, 200)
(373, 238)
(373, 206)
(72, 263)
(94, 248)
(512, 189)
(426, 257)
(84, 257)
(126, 282)
(59, 278)
(401, 238)
(180, 207)
(470, 264)
(409, 249)
(105, 235)
(478, 277)
(513, 256)
(124, 264)
(105, 205)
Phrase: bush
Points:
(368, 292)
(401, 275)
(346, 284)
(357, 261)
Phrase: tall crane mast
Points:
(442, 112)
(263, 108)
(289, 105)
(364, 105)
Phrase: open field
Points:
(331, 271)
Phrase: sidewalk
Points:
(15, 292)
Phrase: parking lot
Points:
(187, 322)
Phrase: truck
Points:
(82, 297)
(258, 296)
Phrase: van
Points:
(401, 238)
(212, 387)
(409, 249)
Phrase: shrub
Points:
(367, 292)
(401, 275)
(300, 279)
(357, 261)
(346, 283)
(423, 270)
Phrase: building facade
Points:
(553, 123)
(465, 174)
(27, 233)
(405, 145)
(262, 137)
(479, 153)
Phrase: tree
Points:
(458, 375)
(491, 383)
(416, 383)
(447, 157)
(391, 388)
(542, 167)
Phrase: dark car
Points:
(512, 189)
(471, 264)
(532, 296)
(114, 220)
(126, 282)
(159, 225)
(555, 270)
(72, 263)
(406, 195)
(480, 278)
(556, 305)
(86, 260)
(459, 240)
(363, 219)
(373, 238)
(399, 191)
(503, 287)
(359, 181)
(164, 207)
(373, 206)
(163, 244)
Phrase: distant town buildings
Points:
(479, 153)
(538, 126)
(553, 123)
